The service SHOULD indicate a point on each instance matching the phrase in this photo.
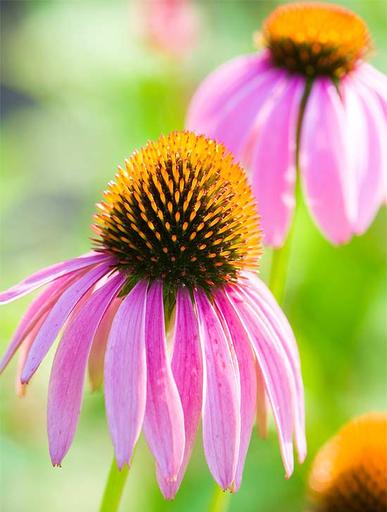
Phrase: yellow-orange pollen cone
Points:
(349, 473)
(316, 39)
(182, 211)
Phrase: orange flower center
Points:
(350, 471)
(316, 39)
(181, 211)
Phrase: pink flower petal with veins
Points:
(39, 308)
(125, 373)
(220, 87)
(68, 370)
(273, 160)
(57, 317)
(327, 176)
(221, 398)
(264, 300)
(48, 274)
(248, 383)
(164, 417)
(367, 133)
(187, 369)
(275, 371)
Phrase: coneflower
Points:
(177, 247)
(350, 471)
(307, 103)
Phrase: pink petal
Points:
(68, 371)
(264, 300)
(164, 419)
(327, 176)
(275, 371)
(48, 274)
(24, 351)
(172, 26)
(57, 317)
(188, 372)
(375, 80)
(220, 87)
(235, 120)
(98, 348)
(273, 160)
(125, 373)
(39, 308)
(221, 397)
(246, 363)
(367, 133)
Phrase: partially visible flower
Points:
(309, 99)
(177, 230)
(350, 471)
(170, 26)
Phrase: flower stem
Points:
(220, 501)
(114, 488)
(280, 257)
(278, 271)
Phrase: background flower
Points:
(350, 470)
(308, 103)
(79, 96)
(171, 27)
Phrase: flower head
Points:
(177, 232)
(350, 470)
(181, 211)
(316, 39)
(327, 108)
(170, 26)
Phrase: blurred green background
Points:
(79, 91)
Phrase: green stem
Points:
(114, 488)
(280, 257)
(220, 501)
(278, 270)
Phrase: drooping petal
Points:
(236, 119)
(275, 371)
(247, 373)
(221, 397)
(125, 373)
(367, 133)
(98, 348)
(57, 317)
(38, 308)
(375, 80)
(273, 160)
(68, 370)
(187, 369)
(23, 354)
(264, 300)
(325, 168)
(48, 274)
(164, 419)
(220, 87)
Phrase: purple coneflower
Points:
(169, 309)
(308, 101)
(349, 472)
(170, 26)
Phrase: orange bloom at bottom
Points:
(349, 473)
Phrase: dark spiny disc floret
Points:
(181, 211)
(316, 39)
